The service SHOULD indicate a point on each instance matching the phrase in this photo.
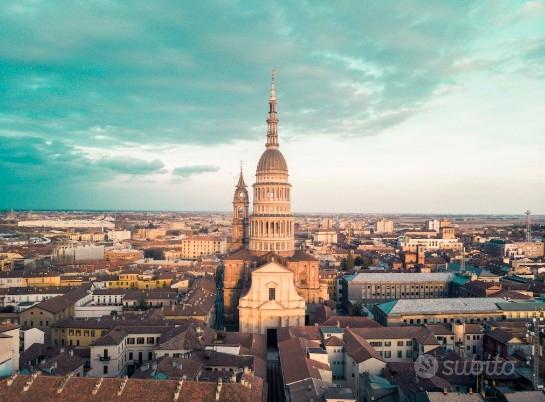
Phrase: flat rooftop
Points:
(446, 306)
(403, 277)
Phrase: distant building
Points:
(115, 254)
(90, 236)
(515, 250)
(65, 224)
(411, 243)
(194, 247)
(78, 252)
(325, 236)
(150, 233)
(384, 226)
(437, 224)
(119, 235)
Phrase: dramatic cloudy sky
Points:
(385, 106)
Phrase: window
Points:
(387, 354)
(387, 343)
(130, 356)
(400, 354)
(150, 355)
(399, 343)
(409, 343)
(272, 294)
(140, 340)
(409, 353)
(130, 341)
(105, 370)
(151, 340)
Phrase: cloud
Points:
(188, 171)
(132, 166)
(131, 80)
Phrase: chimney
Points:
(218, 389)
(122, 385)
(445, 391)
(97, 386)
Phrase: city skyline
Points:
(152, 109)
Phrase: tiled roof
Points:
(350, 321)
(333, 341)
(421, 334)
(62, 364)
(358, 348)
(80, 389)
(296, 366)
(59, 303)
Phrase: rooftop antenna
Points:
(528, 226)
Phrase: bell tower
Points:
(241, 205)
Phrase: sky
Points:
(384, 106)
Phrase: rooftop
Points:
(459, 305)
(403, 277)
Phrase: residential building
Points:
(194, 247)
(9, 349)
(384, 226)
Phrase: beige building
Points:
(271, 302)
(371, 287)
(194, 247)
(150, 233)
(9, 349)
(384, 226)
(325, 236)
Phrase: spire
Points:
(241, 183)
(272, 120)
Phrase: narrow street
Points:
(274, 377)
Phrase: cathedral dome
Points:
(272, 159)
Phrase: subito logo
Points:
(426, 366)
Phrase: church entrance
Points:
(272, 341)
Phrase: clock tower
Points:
(241, 204)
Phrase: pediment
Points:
(271, 284)
(271, 267)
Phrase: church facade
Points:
(265, 237)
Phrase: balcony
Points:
(103, 358)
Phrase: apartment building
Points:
(194, 247)
(122, 348)
(49, 311)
